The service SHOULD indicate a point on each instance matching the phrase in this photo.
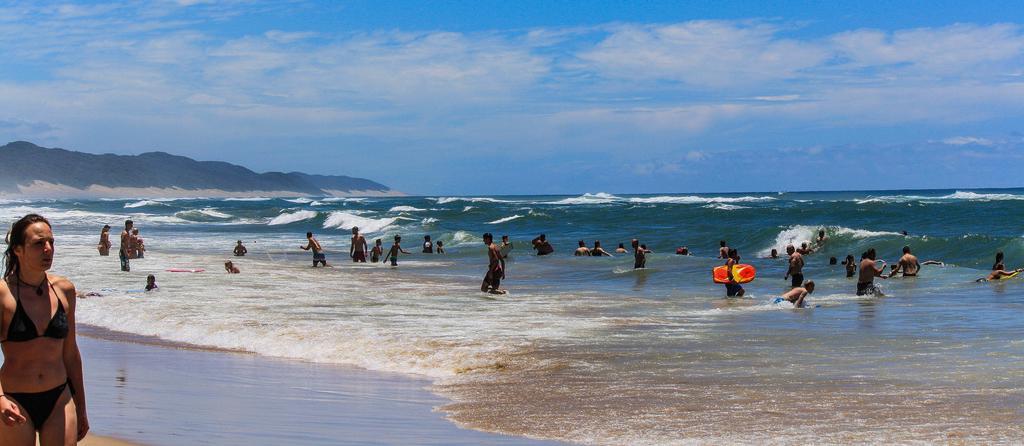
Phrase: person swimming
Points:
(428, 246)
(598, 251)
(732, 287)
(621, 249)
(240, 250)
(104, 245)
(868, 272)
(683, 251)
(639, 255)
(796, 267)
(230, 267)
(582, 250)
(393, 252)
(377, 251)
(542, 246)
(318, 251)
(151, 283)
(999, 270)
(908, 264)
(851, 266)
(358, 247)
(798, 294)
(495, 267)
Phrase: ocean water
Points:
(589, 350)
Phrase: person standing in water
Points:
(428, 247)
(908, 264)
(151, 283)
(732, 287)
(395, 249)
(42, 390)
(822, 238)
(506, 247)
(598, 251)
(440, 247)
(621, 249)
(868, 271)
(541, 245)
(318, 251)
(104, 245)
(240, 250)
(138, 244)
(851, 266)
(357, 251)
(377, 251)
(495, 267)
(582, 251)
(796, 267)
(639, 255)
(125, 250)
(798, 294)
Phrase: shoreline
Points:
(147, 391)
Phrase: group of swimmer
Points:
(866, 270)
(132, 246)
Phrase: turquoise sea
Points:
(589, 350)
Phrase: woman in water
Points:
(104, 245)
(41, 389)
(999, 270)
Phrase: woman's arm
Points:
(73, 358)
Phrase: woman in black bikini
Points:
(41, 390)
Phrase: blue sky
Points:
(486, 97)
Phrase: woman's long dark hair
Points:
(999, 260)
(17, 238)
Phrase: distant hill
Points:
(29, 170)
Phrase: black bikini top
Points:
(23, 329)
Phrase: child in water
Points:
(376, 252)
(395, 249)
(851, 267)
(230, 267)
(440, 247)
(151, 283)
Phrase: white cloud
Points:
(703, 53)
(968, 140)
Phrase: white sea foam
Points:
(200, 213)
(348, 220)
(982, 197)
(405, 209)
(463, 238)
(503, 220)
(446, 200)
(343, 199)
(693, 199)
(724, 206)
(141, 203)
(598, 198)
(300, 200)
(795, 235)
(293, 217)
(248, 199)
(428, 221)
(958, 195)
(468, 208)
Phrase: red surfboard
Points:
(741, 273)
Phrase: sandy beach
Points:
(165, 394)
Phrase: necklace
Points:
(39, 288)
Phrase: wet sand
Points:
(154, 394)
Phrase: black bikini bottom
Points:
(39, 405)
